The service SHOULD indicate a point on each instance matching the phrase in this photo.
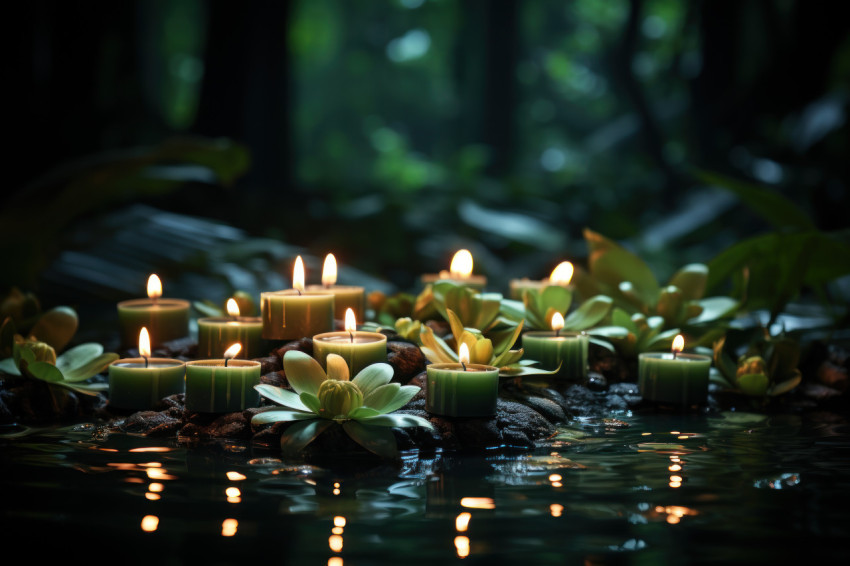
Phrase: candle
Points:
(140, 383)
(165, 319)
(222, 386)
(359, 349)
(462, 389)
(459, 272)
(345, 296)
(675, 377)
(553, 349)
(215, 334)
(296, 313)
(561, 275)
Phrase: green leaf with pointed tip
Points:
(207, 308)
(78, 356)
(670, 305)
(303, 372)
(402, 398)
(373, 376)
(435, 348)
(43, 371)
(621, 318)
(512, 310)
(556, 297)
(509, 344)
(381, 396)
(786, 386)
(56, 327)
(399, 421)
(714, 308)
(783, 358)
(613, 264)
(663, 341)
(337, 367)
(268, 417)
(281, 396)
(691, 281)
(723, 362)
(378, 440)
(363, 413)
(311, 402)
(609, 331)
(603, 343)
(589, 314)
(515, 370)
(754, 384)
(90, 369)
(455, 324)
(295, 438)
(508, 358)
(90, 389)
(8, 366)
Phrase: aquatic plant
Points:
(322, 400)
(768, 367)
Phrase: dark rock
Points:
(32, 401)
(269, 364)
(276, 378)
(151, 423)
(303, 345)
(406, 360)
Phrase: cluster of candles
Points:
(223, 383)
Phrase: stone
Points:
(406, 360)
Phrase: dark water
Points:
(752, 489)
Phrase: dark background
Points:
(393, 132)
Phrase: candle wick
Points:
(225, 361)
(463, 365)
(299, 290)
(146, 360)
(675, 354)
(352, 336)
(558, 333)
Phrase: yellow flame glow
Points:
(335, 543)
(235, 476)
(462, 521)
(156, 487)
(463, 353)
(335, 561)
(350, 321)
(478, 503)
(461, 266)
(562, 274)
(557, 321)
(228, 527)
(232, 307)
(462, 546)
(232, 492)
(150, 523)
(555, 477)
(339, 521)
(556, 509)
(233, 351)
(154, 286)
(298, 274)
(329, 270)
(678, 343)
(144, 343)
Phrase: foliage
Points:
(633, 334)
(768, 368)
(22, 314)
(246, 303)
(387, 309)
(409, 329)
(321, 400)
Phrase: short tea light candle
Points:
(216, 334)
(165, 319)
(296, 313)
(222, 386)
(462, 389)
(561, 275)
(674, 378)
(460, 271)
(358, 348)
(140, 383)
(567, 350)
(345, 296)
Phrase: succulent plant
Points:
(409, 329)
(387, 309)
(540, 305)
(322, 400)
(21, 313)
(768, 368)
(636, 333)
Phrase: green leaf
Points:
(363, 413)
(281, 396)
(691, 281)
(373, 376)
(44, 371)
(621, 318)
(589, 314)
(311, 402)
(506, 353)
(8, 365)
(295, 438)
(612, 264)
(455, 324)
(401, 398)
(512, 310)
(78, 356)
(267, 417)
(303, 372)
(207, 308)
(715, 308)
(516, 370)
(787, 385)
(90, 389)
(381, 396)
(754, 384)
(56, 327)
(556, 297)
(399, 421)
(609, 331)
(603, 343)
(723, 362)
(435, 348)
(378, 440)
(90, 369)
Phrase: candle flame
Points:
(329, 271)
(233, 351)
(298, 274)
(461, 266)
(154, 286)
(678, 343)
(557, 321)
(144, 343)
(350, 321)
(232, 307)
(463, 353)
(562, 274)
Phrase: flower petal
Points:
(280, 416)
(402, 398)
(337, 367)
(399, 421)
(281, 396)
(295, 438)
(381, 396)
(378, 440)
(303, 372)
(373, 376)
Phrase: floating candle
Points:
(296, 313)
(557, 349)
(462, 389)
(345, 296)
(165, 319)
(222, 386)
(561, 275)
(140, 383)
(460, 271)
(215, 334)
(674, 378)
(358, 348)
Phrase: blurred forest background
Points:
(393, 132)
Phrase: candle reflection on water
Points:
(229, 527)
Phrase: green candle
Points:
(674, 378)
(222, 386)
(460, 272)
(458, 390)
(296, 313)
(359, 349)
(216, 334)
(140, 383)
(165, 319)
(561, 275)
(345, 296)
(553, 349)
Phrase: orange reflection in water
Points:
(152, 449)
(156, 487)
(477, 503)
(462, 521)
(235, 476)
(335, 543)
(335, 561)
(152, 496)
(228, 527)
(556, 509)
(339, 521)
(150, 523)
(462, 546)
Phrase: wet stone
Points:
(406, 360)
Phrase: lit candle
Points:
(140, 383)
(345, 296)
(561, 275)
(462, 389)
(358, 348)
(222, 386)
(556, 348)
(215, 334)
(674, 378)
(165, 319)
(460, 271)
(296, 313)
